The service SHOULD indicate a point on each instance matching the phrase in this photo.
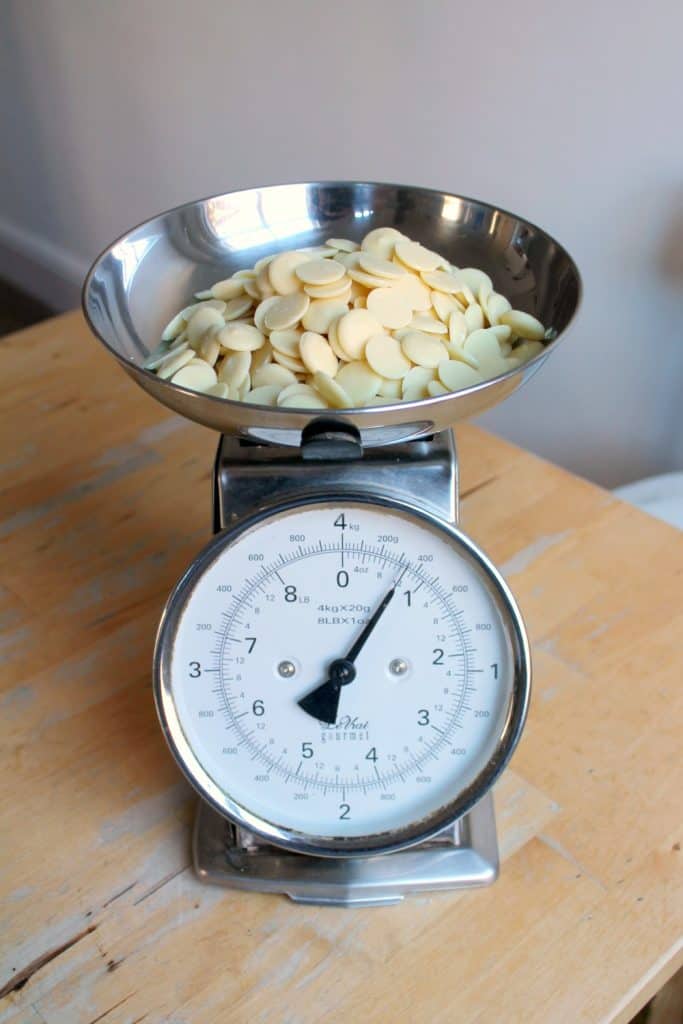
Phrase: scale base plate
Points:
(463, 856)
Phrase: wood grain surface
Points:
(104, 499)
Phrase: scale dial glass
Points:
(261, 620)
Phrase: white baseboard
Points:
(40, 268)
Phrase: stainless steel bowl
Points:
(151, 272)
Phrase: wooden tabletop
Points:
(104, 500)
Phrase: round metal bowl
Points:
(137, 284)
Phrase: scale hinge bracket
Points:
(330, 439)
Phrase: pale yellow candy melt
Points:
(524, 325)
(343, 244)
(289, 361)
(252, 289)
(367, 280)
(496, 305)
(264, 262)
(260, 313)
(429, 324)
(382, 241)
(316, 354)
(297, 388)
(320, 251)
(340, 289)
(174, 327)
(320, 271)
(209, 350)
(458, 328)
(218, 390)
(415, 382)
(330, 390)
(375, 265)
(390, 389)
(281, 272)
(273, 373)
(236, 308)
(287, 311)
(351, 260)
(423, 349)
(415, 291)
(359, 381)
(234, 369)
(483, 344)
(385, 356)
(527, 350)
(200, 322)
(321, 313)
(391, 308)
(455, 375)
(474, 317)
(287, 342)
(416, 256)
(445, 304)
(266, 395)
(240, 337)
(196, 375)
(503, 333)
(231, 288)
(155, 359)
(354, 329)
(263, 281)
(174, 363)
(475, 279)
(443, 281)
(333, 342)
(457, 351)
(303, 400)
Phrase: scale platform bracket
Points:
(250, 477)
(463, 856)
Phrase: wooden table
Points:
(104, 499)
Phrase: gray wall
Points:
(566, 113)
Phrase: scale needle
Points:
(323, 702)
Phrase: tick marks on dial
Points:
(358, 553)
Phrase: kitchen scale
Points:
(341, 673)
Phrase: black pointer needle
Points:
(323, 702)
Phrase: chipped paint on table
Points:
(104, 499)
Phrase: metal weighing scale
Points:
(341, 673)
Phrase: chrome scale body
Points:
(464, 855)
(267, 456)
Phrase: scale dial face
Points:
(257, 645)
